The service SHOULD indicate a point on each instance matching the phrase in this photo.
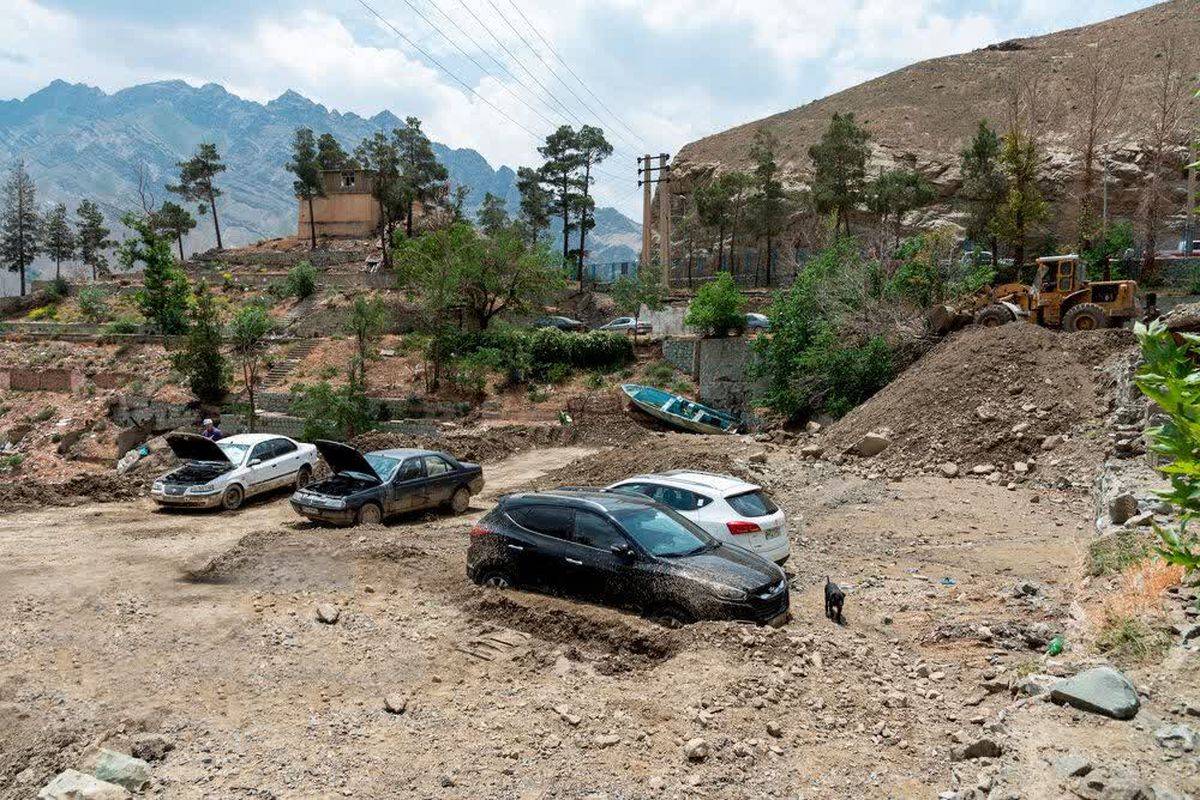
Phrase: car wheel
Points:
(672, 616)
(304, 477)
(369, 514)
(461, 500)
(495, 579)
(232, 500)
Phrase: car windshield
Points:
(384, 466)
(662, 532)
(752, 504)
(234, 452)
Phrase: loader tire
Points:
(993, 316)
(1085, 317)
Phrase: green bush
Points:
(47, 313)
(122, 325)
(559, 374)
(301, 280)
(659, 374)
(58, 289)
(330, 413)
(719, 307)
(538, 351)
(93, 304)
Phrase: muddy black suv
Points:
(368, 487)
(624, 550)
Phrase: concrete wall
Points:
(720, 368)
(341, 214)
(667, 321)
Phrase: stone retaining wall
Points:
(720, 368)
(269, 258)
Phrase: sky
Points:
(655, 75)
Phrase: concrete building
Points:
(347, 209)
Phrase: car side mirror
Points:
(623, 550)
(254, 462)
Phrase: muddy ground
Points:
(120, 620)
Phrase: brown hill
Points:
(927, 111)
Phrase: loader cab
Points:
(1060, 275)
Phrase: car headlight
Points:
(728, 592)
(337, 503)
(157, 487)
(207, 488)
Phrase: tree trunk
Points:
(721, 247)
(566, 212)
(768, 259)
(312, 228)
(212, 203)
(57, 268)
(408, 223)
(248, 377)
(587, 180)
(179, 240)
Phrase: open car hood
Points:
(344, 458)
(193, 447)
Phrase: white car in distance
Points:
(226, 472)
(727, 508)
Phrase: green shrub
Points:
(595, 380)
(538, 351)
(719, 307)
(123, 325)
(659, 374)
(11, 462)
(301, 280)
(93, 304)
(43, 313)
(559, 374)
(330, 413)
(43, 415)
(58, 289)
(537, 394)
(1130, 640)
(1116, 553)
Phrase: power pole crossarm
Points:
(646, 169)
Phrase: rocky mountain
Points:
(81, 142)
(924, 113)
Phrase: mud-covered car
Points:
(368, 487)
(226, 472)
(624, 550)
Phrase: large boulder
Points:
(75, 785)
(872, 445)
(1101, 690)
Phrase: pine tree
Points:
(91, 237)
(20, 224)
(378, 154)
(492, 215)
(174, 219)
(561, 181)
(248, 331)
(202, 359)
(306, 166)
(896, 192)
(163, 299)
(196, 176)
(330, 154)
(772, 205)
(592, 148)
(535, 203)
(984, 185)
(1024, 208)
(59, 238)
(420, 172)
(840, 168)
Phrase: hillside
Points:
(927, 110)
(81, 142)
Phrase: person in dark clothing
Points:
(211, 431)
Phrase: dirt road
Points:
(121, 620)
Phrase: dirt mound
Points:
(1018, 393)
(98, 488)
(659, 453)
(487, 445)
(614, 646)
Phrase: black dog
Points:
(834, 599)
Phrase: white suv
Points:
(726, 507)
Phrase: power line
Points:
(562, 61)
(538, 55)
(438, 64)
(479, 66)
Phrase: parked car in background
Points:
(226, 472)
(757, 322)
(626, 325)
(369, 487)
(562, 323)
(727, 508)
(624, 550)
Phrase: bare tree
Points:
(1163, 136)
(145, 192)
(1099, 92)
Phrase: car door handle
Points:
(575, 561)
(516, 547)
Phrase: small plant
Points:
(1130, 640)
(328, 372)
(43, 415)
(659, 374)
(1116, 553)
(595, 380)
(537, 394)
(137, 388)
(719, 307)
(558, 374)
(43, 313)
(301, 280)
(58, 289)
(93, 304)
(11, 462)
(122, 325)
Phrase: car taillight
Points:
(738, 527)
(481, 530)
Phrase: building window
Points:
(348, 180)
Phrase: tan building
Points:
(347, 209)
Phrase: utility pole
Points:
(664, 233)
